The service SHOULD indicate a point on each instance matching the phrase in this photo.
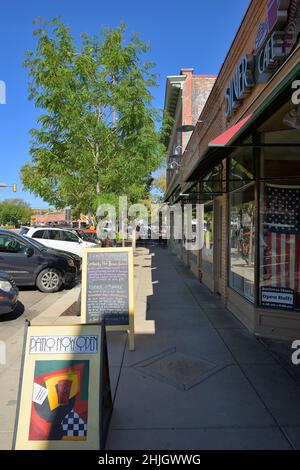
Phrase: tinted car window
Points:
(40, 234)
(69, 237)
(9, 244)
(54, 235)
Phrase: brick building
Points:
(51, 217)
(185, 96)
(242, 162)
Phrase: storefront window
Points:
(207, 251)
(280, 162)
(280, 245)
(242, 246)
(212, 182)
(241, 168)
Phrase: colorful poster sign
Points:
(59, 407)
(64, 394)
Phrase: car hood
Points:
(89, 244)
(66, 254)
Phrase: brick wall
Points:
(213, 114)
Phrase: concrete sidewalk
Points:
(197, 379)
(202, 381)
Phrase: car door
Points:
(42, 236)
(49, 237)
(54, 239)
(72, 242)
(15, 260)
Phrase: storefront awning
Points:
(229, 136)
(220, 147)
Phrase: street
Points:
(31, 303)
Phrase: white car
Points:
(59, 239)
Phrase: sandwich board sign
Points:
(108, 289)
(64, 400)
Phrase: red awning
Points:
(230, 135)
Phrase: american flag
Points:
(282, 236)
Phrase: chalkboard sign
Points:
(107, 288)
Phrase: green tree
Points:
(97, 135)
(14, 212)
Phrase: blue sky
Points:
(195, 33)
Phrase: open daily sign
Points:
(277, 297)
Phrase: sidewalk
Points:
(201, 381)
(197, 379)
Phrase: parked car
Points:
(59, 239)
(9, 293)
(31, 263)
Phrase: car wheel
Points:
(49, 280)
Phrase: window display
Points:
(280, 246)
(207, 251)
(242, 242)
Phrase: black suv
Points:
(31, 263)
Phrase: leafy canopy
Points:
(97, 134)
(14, 212)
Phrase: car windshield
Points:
(23, 230)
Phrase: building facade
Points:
(51, 217)
(242, 162)
(185, 98)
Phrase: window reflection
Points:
(207, 251)
(280, 245)
(242, 246)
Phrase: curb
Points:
(52, 313)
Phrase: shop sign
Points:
(275, 39)
(270, 55)
(65, 400)
(278, 297)
(108, 289)
(239, 85)
(262, 33)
